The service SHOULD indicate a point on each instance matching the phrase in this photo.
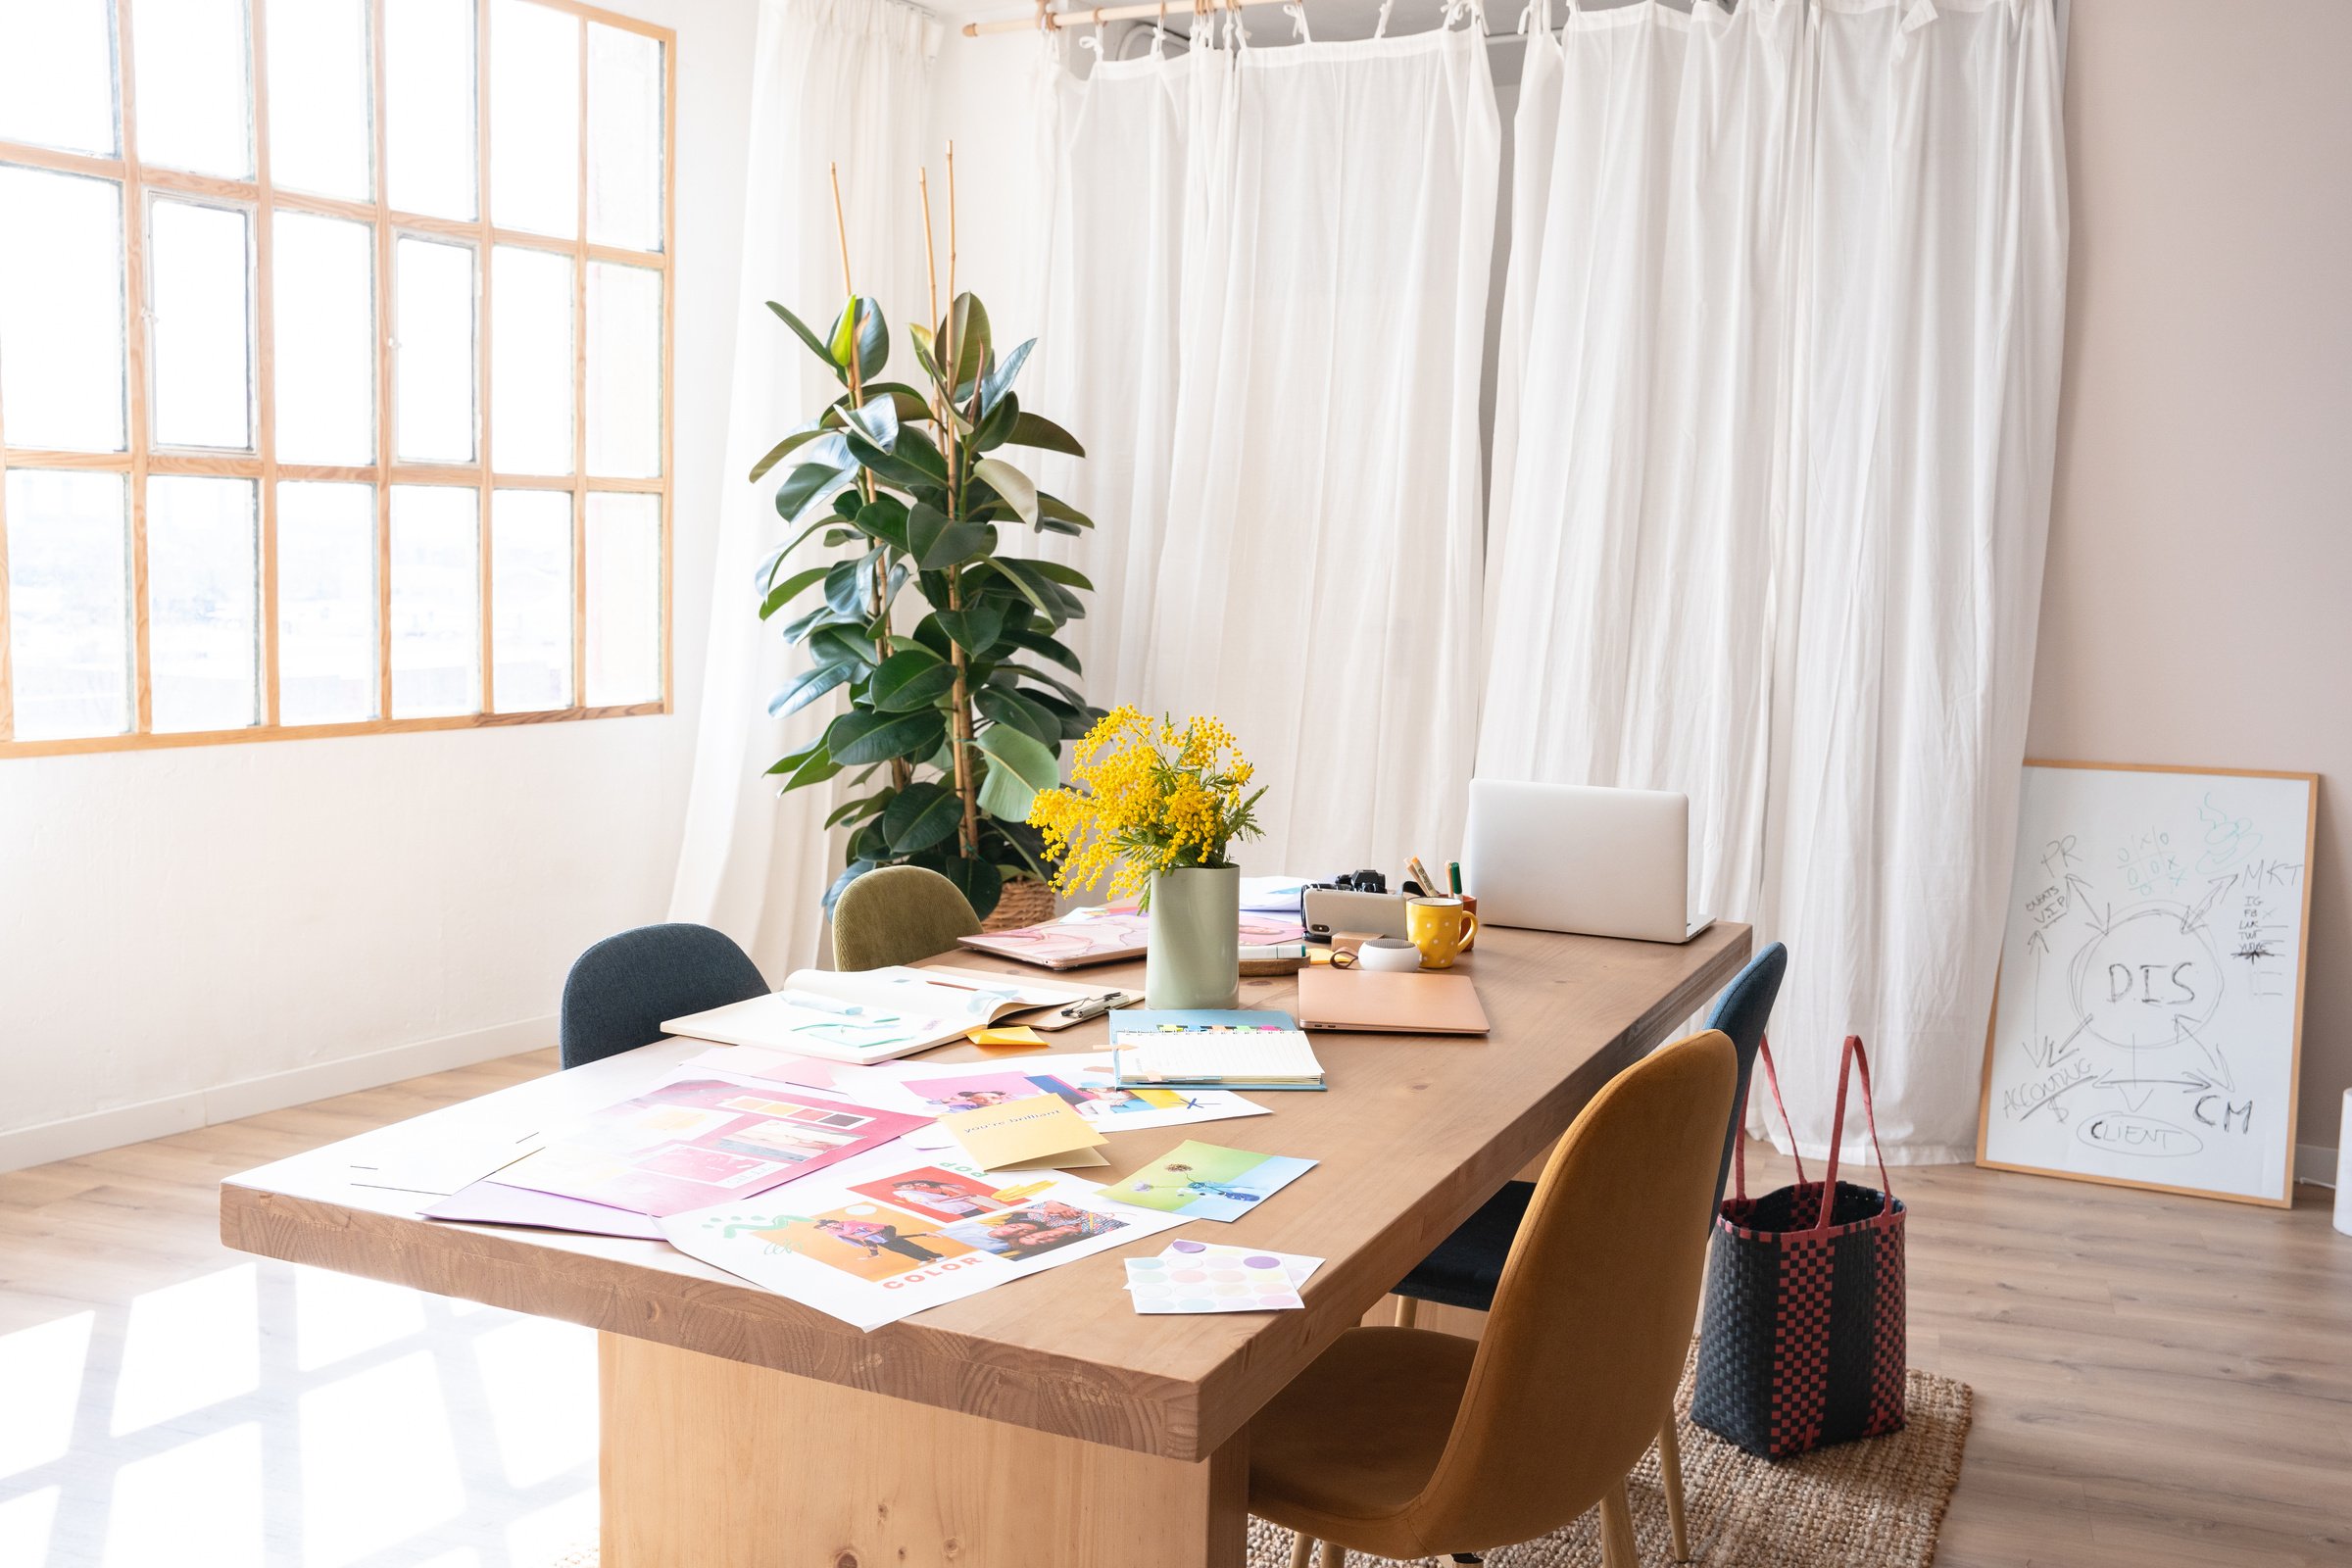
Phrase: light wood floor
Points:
(2158, 1381)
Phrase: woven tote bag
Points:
(1802, 1341)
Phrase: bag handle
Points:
(1851, 1061)
(1772, 1079)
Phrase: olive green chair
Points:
(897, 914)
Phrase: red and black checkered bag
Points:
(1803, 1343)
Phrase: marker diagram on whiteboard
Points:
(2147, 1022)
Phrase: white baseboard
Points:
(2315, 1164)
(250, 1097)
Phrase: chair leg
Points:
(1617, 1548)
(1670, 1477)
(1302, 1552)
(1335, 1555)
(1407, 1309)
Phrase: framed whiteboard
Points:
(2148, 1021)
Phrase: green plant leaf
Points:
(969, 319)
(979, 881)
(923, 814)
(908, 400)
(884, 518)
(1010, 484)
(1051, 647)
(908, 679)
(863, 807)
(926, 353)
(1036, 430)
(849, 874)
(816, 345)
(812, 486)
(1036, 590)
(1068, 577)
(1043, 679)
(1053, 509)
(996, 425)
(1020, 766)
(873, 337)
(937, 543)
(788, 589)
(877, 420)
(785, 448)
(1004, 705)
(839, 644)
(817, 766)
(973, 628)
(848, 586)
(1000, 380)
(866, 736)
(806, 687)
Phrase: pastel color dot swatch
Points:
(1211, 1277)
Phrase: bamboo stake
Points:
(900, 771)
(965, 788)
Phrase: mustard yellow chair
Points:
(1406, 1443)
(897, 914)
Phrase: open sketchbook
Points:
(875, 1014)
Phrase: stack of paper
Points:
(1216, 1277)
(1083, 1079)
(1215, 1050)
(1206, 1181)
(874, 1015)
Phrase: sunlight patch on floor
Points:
(198, 1505)
(378, 1461)
(190, 1345)
(40, 1368)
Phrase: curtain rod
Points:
(1095, 16)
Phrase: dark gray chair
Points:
(620, 990)
(1467, 1265)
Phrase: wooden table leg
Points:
(712, 1463)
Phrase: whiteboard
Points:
(2149, 1017)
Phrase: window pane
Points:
(436, 601)
(320, 132)
(198, 268)
(534, 119)
(61, 311)
(624, 371)
(323, 340)
(204, 602)
(530, 360)
(624, 598)
(428, 125)
(192, 104)
(624, 138)
(531, 599)
(325, 603)
(57, 73)
(433, 332)
(68, 603)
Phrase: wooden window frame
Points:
(257, 195)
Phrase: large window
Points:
(334, 368)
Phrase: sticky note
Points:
(1017, 1037)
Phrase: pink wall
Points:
(2198, 607)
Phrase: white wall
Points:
(196, 934)
(2204, 477)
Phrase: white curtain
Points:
(1287, 490)
(834, 82)
(1772, 525)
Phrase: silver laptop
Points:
(1573, 857)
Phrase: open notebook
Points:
(875, 1014)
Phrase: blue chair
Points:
(1466, 1266)
(620, 990)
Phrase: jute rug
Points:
(1872, 1504)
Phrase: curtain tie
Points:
(1297, 12)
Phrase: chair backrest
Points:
(1594, 1315)
(1742, 1013)
(620, 990)
(897, 914)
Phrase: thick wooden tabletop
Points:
(1415, 1132)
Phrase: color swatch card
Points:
(1215, 1276)
(1205, 1181)
(1084, 1079)
(890, 1234)
(1034, 1131)
(693, 1142)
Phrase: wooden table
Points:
(1046, 1424)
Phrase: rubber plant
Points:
(959, 688)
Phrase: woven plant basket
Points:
(1025, 900)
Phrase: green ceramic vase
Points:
(1194, 959)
